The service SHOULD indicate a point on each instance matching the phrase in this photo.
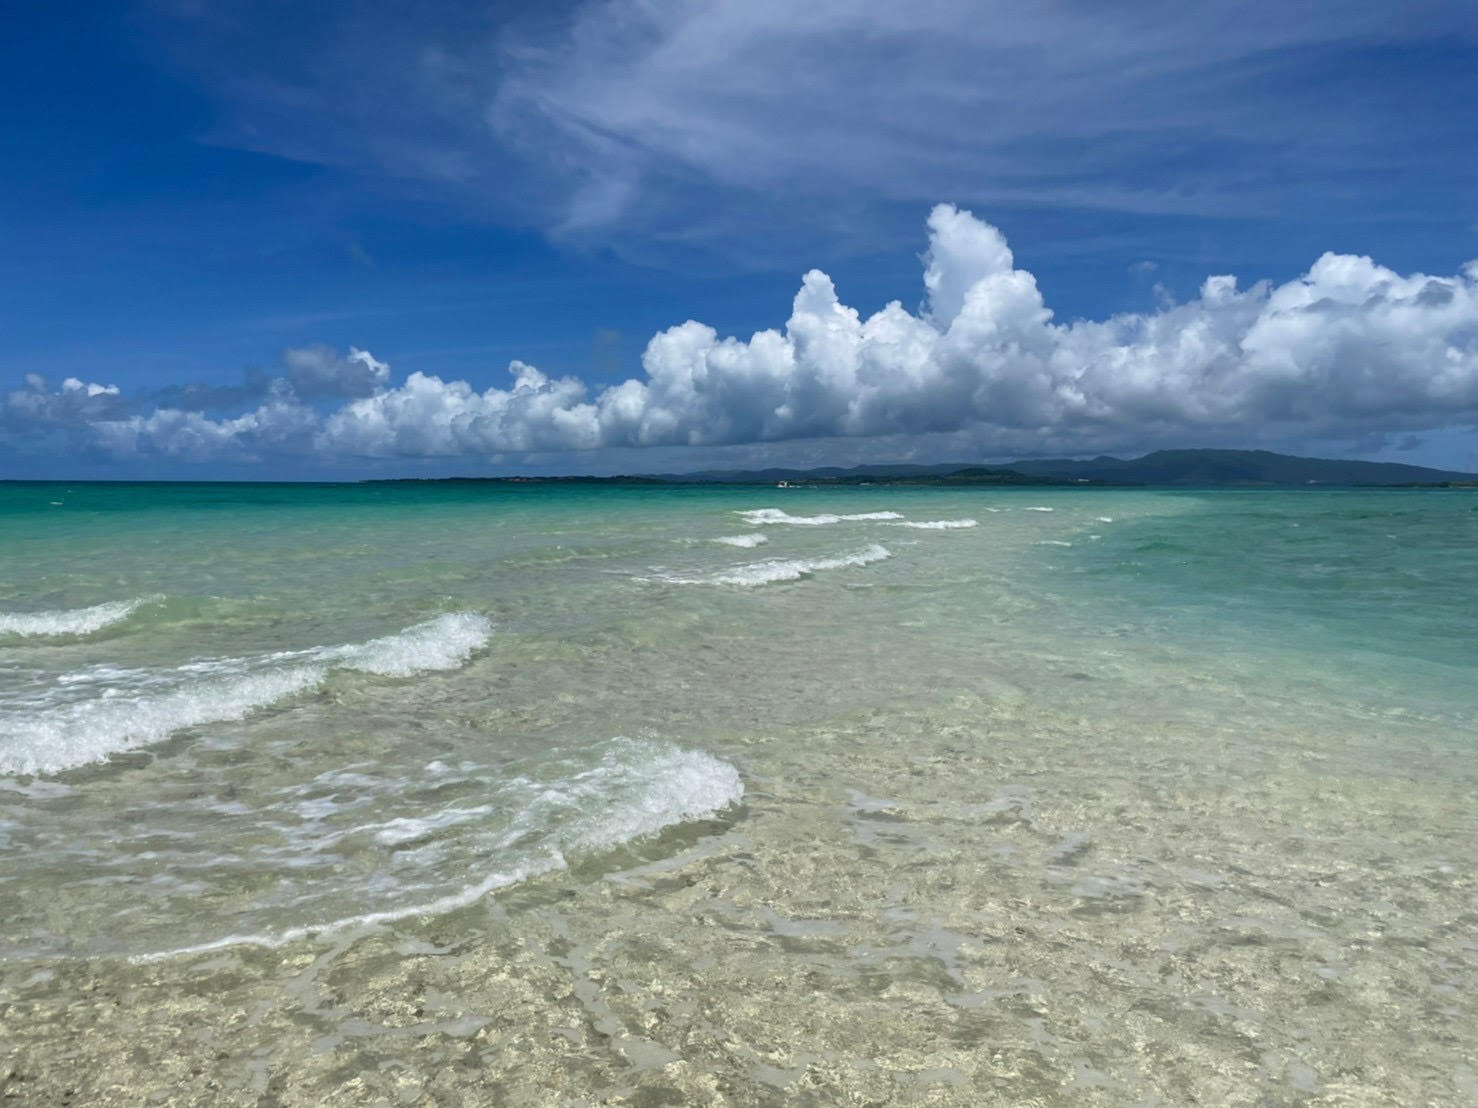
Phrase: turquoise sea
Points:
(460, 792)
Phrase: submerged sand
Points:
(994, 903)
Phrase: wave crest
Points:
(124, 710)
(445, 642)
(773, 570)
(638, 789)
(761, 516)
(71, 621)
(938, 524)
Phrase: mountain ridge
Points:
(1196, 468)
(1161, 468)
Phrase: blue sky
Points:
(196, 188)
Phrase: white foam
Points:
(1105, 519)
(86, 731)
(1039, 509)
(1053, 542)
(793, 569)
(761, 516)
(407, 830)
(637, 790)
(938, 524)
(449, 903)
(108, 710)
(773, 570)
(71, 621)
(746, 541)
(445, 642)
(640, 788)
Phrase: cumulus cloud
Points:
(281, 425)
(1347, 349)
(321, 371)
(73, 403)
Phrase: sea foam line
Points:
(762, 516)
(638, 790)
(72, 621)
(937, 524)
(745, 541)
(136, 709)
(449, 903)
(772, 570)
(445, 642)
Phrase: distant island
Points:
(1163, 468)
(1243, 468)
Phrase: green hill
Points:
(1210, 468)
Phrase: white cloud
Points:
(282, 425)
(90, 389)
(75, 403)
(1348, 349)
(430, 417)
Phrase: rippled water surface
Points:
(476, 793)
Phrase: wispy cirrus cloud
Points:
(663, 126)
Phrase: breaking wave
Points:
(761, 516)
(445, 642)
(938, 524)
(637, 789)
(773, 570)
(89, 715)
(71, 621)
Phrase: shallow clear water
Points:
(245, 721)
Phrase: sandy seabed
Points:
(987, 904)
